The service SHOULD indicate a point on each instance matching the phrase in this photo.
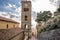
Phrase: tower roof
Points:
(25, 1)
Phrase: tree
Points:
(57, 12)
(58, 9)
(55, 23)
(43, 16)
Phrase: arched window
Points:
(25, 26)
(25, 18)
(7, 25)
(26, 9)
(13, 26)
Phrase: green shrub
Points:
(55, 23)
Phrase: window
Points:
(26, 9)
(13, 26)
(25, 26)
(25, 18)
(7, 25)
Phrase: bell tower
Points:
(26, 15)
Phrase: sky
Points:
(12, 9)
(55, 2)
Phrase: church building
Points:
(6, 23)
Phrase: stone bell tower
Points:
(26, 15)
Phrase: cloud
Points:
(10, 8)
(55, 3)
(4, 14)
(18, 10)
(13, 12)
(42, 5)
(10, 5)
(34, 14)
(33, 23)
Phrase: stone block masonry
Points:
(50, 35)
(11, 34)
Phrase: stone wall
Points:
(3, 25)
(18, 37)
(11, 34)
(50, 35)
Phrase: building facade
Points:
(6, 23)
(26, 15)
(26, 18)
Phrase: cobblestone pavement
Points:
(33, 38)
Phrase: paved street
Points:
(33, 38)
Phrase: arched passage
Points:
(7, 25)
(25, 26)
